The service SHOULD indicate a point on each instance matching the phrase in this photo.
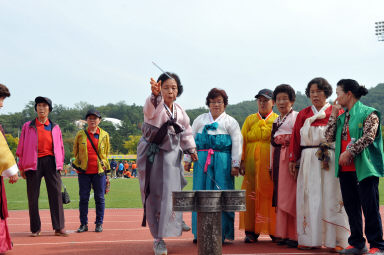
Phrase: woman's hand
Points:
(336, 109)
(242, 168)
(194, 156)
(155, 87)
(293, 169)
(187, 166)
(235, 171)
(13, 178)
(22, 174)
(345, 158)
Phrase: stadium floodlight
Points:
(379, 27)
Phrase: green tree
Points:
(12, 143)
(68, 140)
(131, 144)
(375, 98)
(132, 118)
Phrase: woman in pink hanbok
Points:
(284, 184)
(166, 135)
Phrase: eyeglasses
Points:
(216, 103)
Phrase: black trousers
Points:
(46, 167)
(362, 196)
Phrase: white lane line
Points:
(91, 212)
(45, 200)
(90, 242)
(69, 222)
(281, 253)
(74, 231)
(77, 216)
(150, 240)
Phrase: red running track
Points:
(122, 234)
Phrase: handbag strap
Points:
(97, 153)
(94, 147)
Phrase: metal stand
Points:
(209, 204)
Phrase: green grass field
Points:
(124, 194)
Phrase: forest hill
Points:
(124, 138)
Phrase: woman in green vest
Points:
(359, 164)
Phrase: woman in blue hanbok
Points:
(219, 147)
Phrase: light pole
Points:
(379, 27)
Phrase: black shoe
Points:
(194, 240)
(274, 239)
(256, 235)
(99, 228)
(251, 237)
(282, 241)
(292, 243)
(82, 228)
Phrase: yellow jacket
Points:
(81, 152)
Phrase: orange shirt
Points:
(93, 167)
(44, 139)
(134, 166)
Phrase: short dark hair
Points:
(4, 92)
(215, 92)
(165, 76)
(353, 86)
(322, 84)
(284, 88)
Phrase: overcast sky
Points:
(101, 51)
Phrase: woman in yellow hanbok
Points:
(260, 217)
(8, 169)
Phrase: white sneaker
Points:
(185, 227)
(159, 247)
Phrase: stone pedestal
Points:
(209, 233)
(208, 207)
